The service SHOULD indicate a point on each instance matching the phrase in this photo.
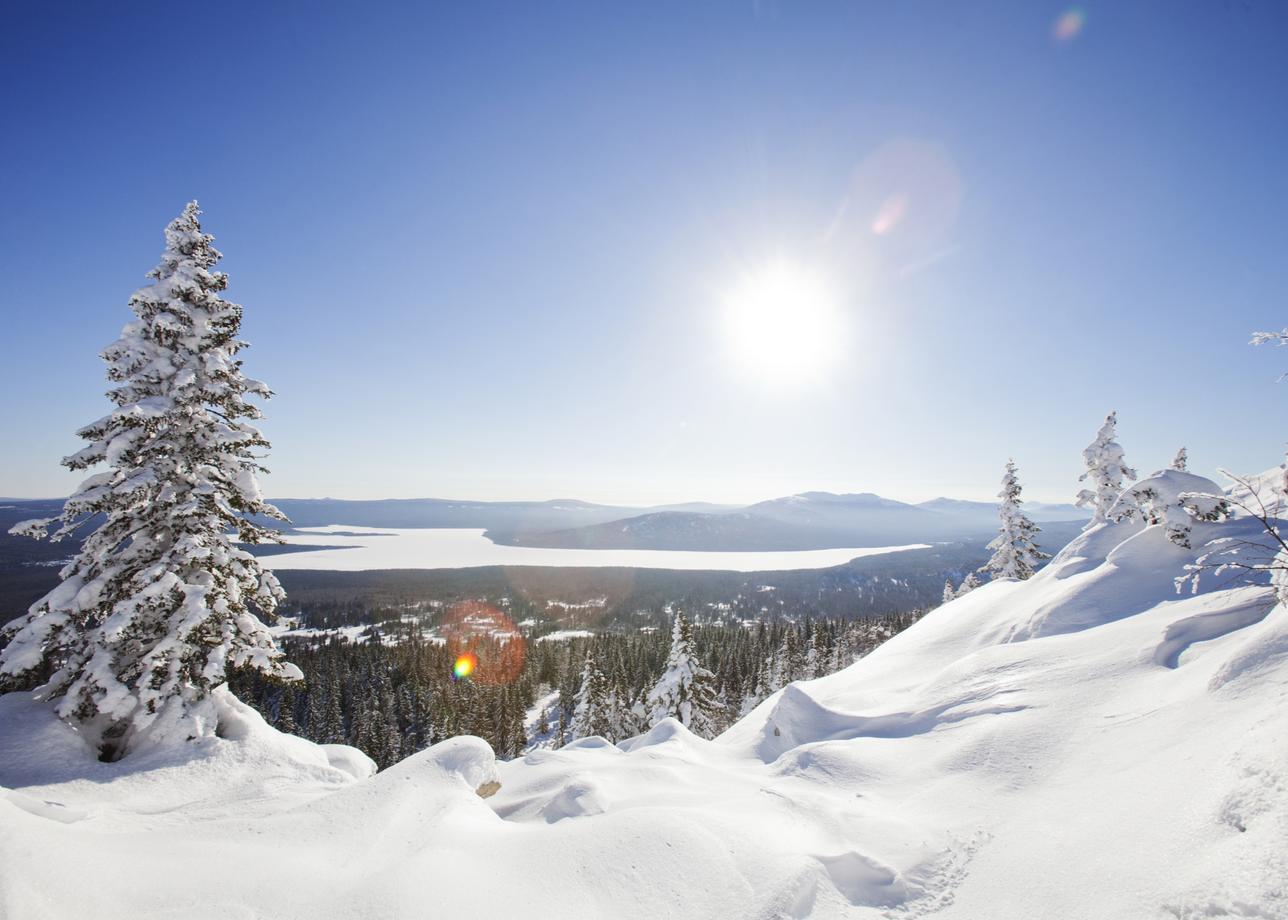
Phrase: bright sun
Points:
(782, 324)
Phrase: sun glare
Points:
(782, 324)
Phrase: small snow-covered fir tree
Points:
(590, 715)
(160, 601)
(949, 593)
(759, 686)
(969, 584)
(286, 712)
(751, 697)
(789, 661)
(1015, 555)
(813, 658)
(332, 731)
(313, 713)
(638, 715)
(1106, 471)
(620, 721)
(771, 675)
(686, 691)
(1180, 461)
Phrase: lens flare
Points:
(892, 211)
(484, 642)
(1069, 25)
(907, 194)
(465, 665)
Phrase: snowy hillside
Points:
(1086, 743)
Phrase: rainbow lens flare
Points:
(1069, 25)
(464, 665)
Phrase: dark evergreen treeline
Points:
(393, 694)
(391, 700)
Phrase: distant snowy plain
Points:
(457, 548)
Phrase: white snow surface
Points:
(1083, 744)
(362, 548)
(563, 635)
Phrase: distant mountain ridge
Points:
(525, 516)
(808, 520)
(1037, 511)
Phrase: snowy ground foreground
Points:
(1085, 744)
(360, 548)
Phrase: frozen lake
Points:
(393, 548)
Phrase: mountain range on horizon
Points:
(807, 520)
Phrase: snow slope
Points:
(1086, 744)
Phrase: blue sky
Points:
(486, 250)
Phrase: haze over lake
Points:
(351, 549)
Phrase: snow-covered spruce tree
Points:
(789, 661)
(591, 715)
(1015, 555)
(160, 601)
(1106, 470)
(813, 662)
(686, 691)
(760, 684)
(617, 711)
(969, 584)
(286, 712)
(949, 593)
(1180, 461)
(332, 731)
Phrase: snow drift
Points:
(1087, 743)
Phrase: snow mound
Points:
(465, 760)
(1086, 743)
(349, 760)
(798, 719)
(577, 798)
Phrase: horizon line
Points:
(736, 506)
